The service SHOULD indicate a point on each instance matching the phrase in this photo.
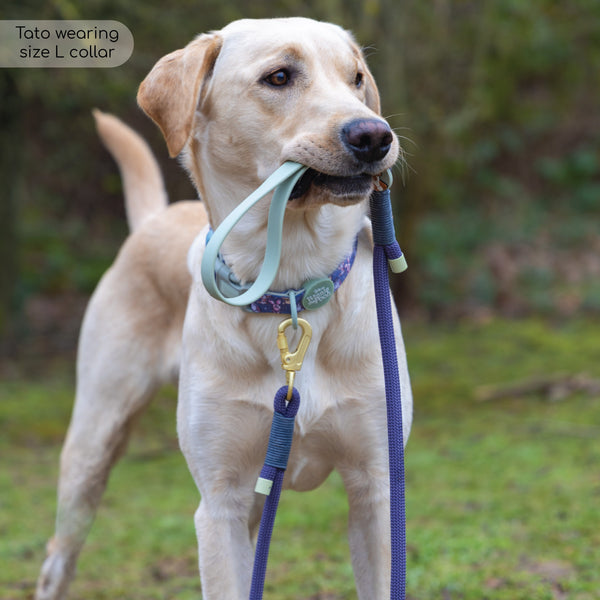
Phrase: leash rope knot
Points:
(280, 439)
(382, 221)
(270, 481)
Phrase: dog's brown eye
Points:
(279, 78)
(359, 79)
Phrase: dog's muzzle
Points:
(356, 185)
(367, 141)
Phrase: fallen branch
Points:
(552, 388)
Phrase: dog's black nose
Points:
(368, 139)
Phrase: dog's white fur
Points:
(233, 129)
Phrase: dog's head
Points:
(239, 102)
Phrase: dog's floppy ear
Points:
(171, 91)
(371, 92)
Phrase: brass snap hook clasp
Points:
(291, 362)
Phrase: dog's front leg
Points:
(224, 442)
(225, 524)
(225, 550)
(364, 468)
(369, 531)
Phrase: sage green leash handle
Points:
(284, 179)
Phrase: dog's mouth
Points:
(350, 188)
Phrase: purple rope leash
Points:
(278, 451)
(387, 249)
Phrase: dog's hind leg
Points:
(130, 343)
(120, 364)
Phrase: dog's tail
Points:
(143, 184)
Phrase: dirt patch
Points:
(553, 572)
(172, 567)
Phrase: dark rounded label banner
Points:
(68, 43)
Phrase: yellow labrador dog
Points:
(234, 105)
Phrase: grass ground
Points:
(502, 496)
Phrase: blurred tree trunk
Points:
(10, 159)
(392, 38)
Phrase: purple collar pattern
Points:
(311, 295)
(280, 302)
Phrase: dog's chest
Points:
(333, 431)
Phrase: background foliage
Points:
(497, 102)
